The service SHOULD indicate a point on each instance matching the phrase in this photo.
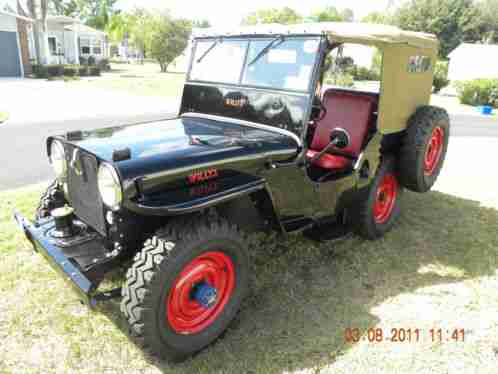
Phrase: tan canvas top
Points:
(348, 32)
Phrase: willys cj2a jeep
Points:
(259, 143)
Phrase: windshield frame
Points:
(248, 39)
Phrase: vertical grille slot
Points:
(83, 190)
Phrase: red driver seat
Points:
(350, 111)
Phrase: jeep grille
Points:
(83, 190)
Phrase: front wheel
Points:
(379, 207)
(185, 286)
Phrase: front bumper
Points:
(82, 261)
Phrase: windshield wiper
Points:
(272, 44)
(215, 43)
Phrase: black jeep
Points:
(258, 144)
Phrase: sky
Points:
(230, 13)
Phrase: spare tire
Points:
(423, 148)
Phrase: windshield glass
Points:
(287, 65)
(283, 63)
(222, 63)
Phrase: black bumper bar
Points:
(84, 282)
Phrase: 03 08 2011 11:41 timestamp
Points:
(404, 335)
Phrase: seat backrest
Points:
(350, 111)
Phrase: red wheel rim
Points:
(185, 314)
(434, 151)
(385, 198)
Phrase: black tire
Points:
(147, 288)
(366, 220)
(415, 172)
(52, 198)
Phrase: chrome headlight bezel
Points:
(58, 159)
(109, 186)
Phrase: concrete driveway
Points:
(30, 101)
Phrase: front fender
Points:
(195, 198)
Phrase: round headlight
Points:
(58, 159)
(109, 186)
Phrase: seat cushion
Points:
(328, 161)
(351, 111)
(347, 110)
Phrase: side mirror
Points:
(340, 138)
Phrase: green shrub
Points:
(341, 80)
(104, 64)
(71, 70)
(40, 71)
(440, 76)
(91, 60)
(361, 73)
(83, 71)
(478, 92)
(55, 70)
(83, 60)
(94, 71)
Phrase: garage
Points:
(10, 58)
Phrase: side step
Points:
(330, 232)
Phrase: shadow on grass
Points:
(305, 295)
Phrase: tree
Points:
(38, 11)
(328, 14)
(283, 16)
(97, 13)
(453, 21)
(489, 26)
(377, 17)
(170, 40)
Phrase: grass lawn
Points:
(142, 80)
(437, 269)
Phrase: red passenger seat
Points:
(350, 111)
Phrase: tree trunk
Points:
(36, 29)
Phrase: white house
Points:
(68, 40)
(472, 61)
(14, 53)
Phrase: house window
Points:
(97, 50)
(85, 50)
(52, 45)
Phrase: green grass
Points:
(142, 80)
(436, 269)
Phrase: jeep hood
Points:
(162, 150)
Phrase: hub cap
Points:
(434, 151)
(385, 199)
(200, 293)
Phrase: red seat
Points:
(350, 111)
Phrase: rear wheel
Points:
(185, 286)
(424, 148)
(379, 208)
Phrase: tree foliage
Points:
(377, 17)
(453, 21)
(283, 16)
(95, 13)
(170, 40)
(328, 14)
